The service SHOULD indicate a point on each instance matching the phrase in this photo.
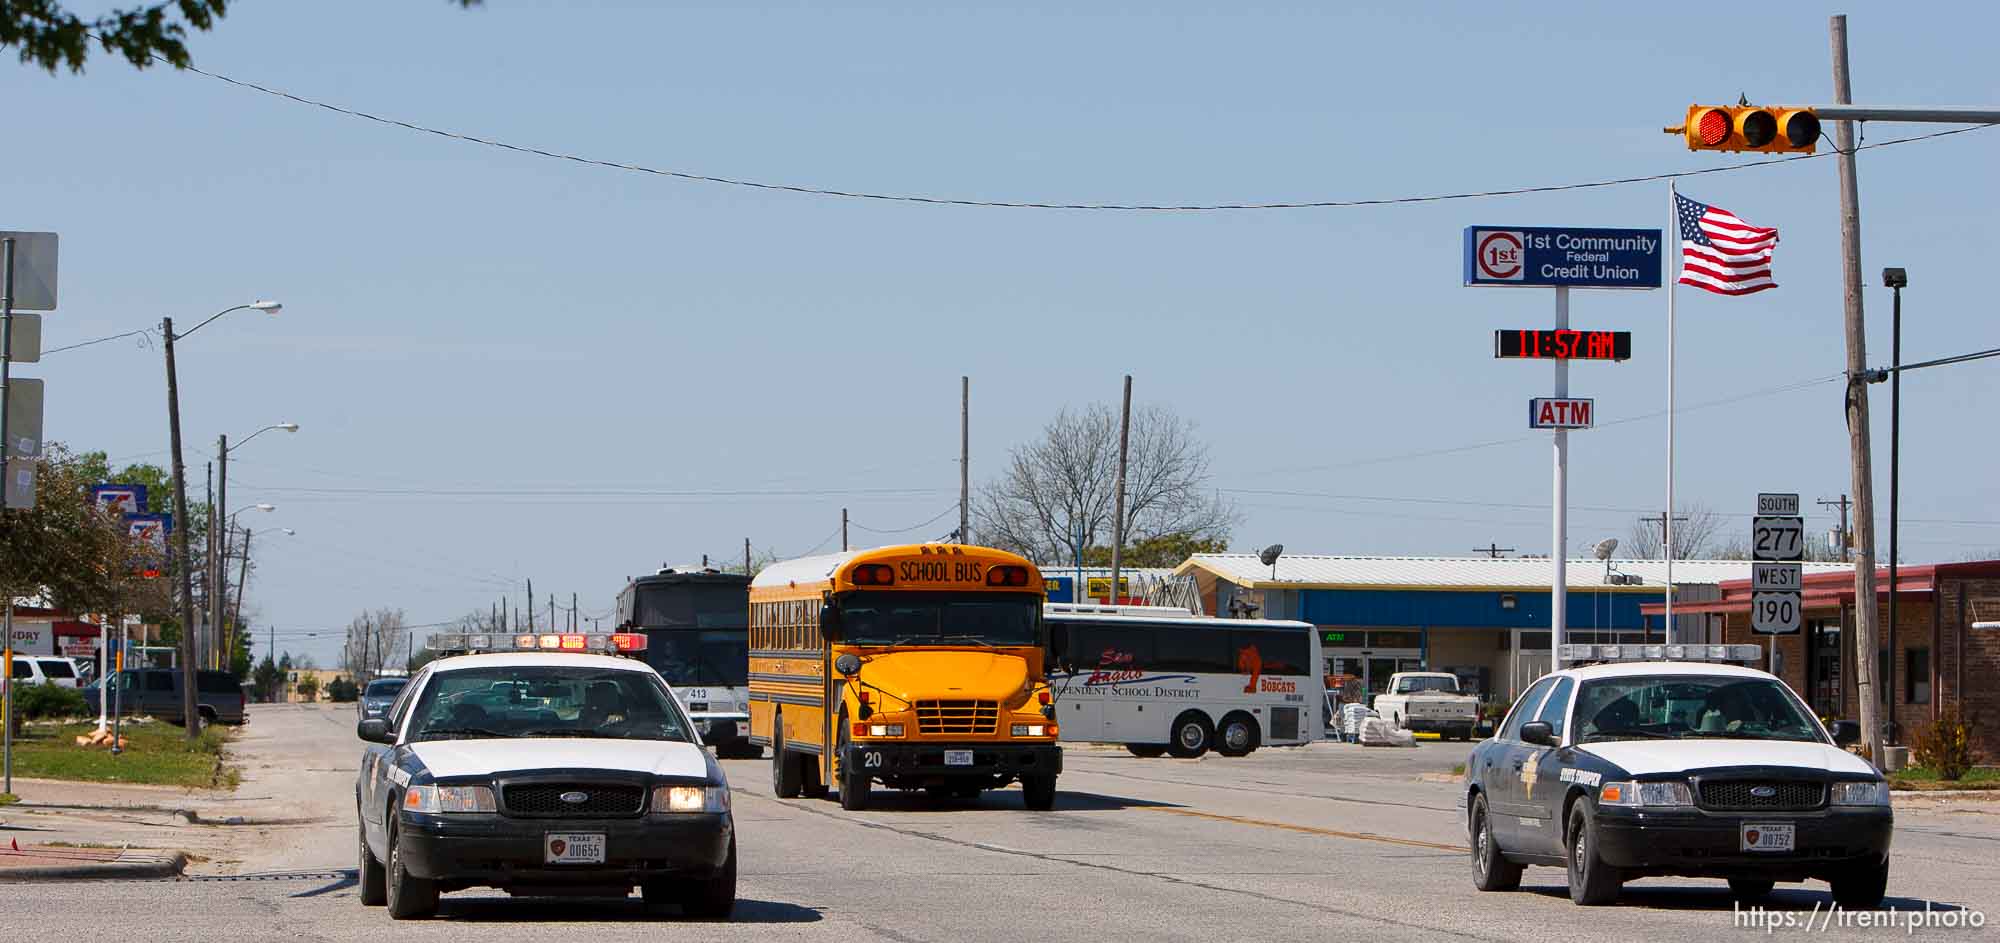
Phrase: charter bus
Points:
(1161, 680)
(696, 620)
(917, 667)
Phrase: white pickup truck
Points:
(1429, 701)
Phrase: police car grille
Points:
(957, 716)
(1740, 794)
(544, 800)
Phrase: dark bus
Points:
(697, 625)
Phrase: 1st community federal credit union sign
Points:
(1524, 256)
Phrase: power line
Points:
(904, 530)
(1037, 205)
(141, 332)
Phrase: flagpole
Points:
(1673, 220)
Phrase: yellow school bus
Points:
(917, 667)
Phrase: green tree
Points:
(64, 548)
(266, 679)
(1162, 550)
(308, 687)
(49, 35)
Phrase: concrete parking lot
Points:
(1325, 842)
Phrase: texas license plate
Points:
(1768, 837)
(958, 757)
(573, 848)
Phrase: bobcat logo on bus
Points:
(1250, 662)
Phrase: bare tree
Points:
(1060, 486)
(375, 640)
(1694, 538)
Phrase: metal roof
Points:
(1309, 571)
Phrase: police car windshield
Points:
(1683, 707)
(546, 701)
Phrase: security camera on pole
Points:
(1561, 258)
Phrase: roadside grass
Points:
(1921, 779)
(1458, 769)
(8, 798)
(155, 754)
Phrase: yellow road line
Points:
(1307, 829)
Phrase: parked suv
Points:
(156, 692)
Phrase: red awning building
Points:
(1946, 651)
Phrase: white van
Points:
(46, 669)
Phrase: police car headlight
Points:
(672, 799)
(438, 799)
(1645, 794)
(1875, 793)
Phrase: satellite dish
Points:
(1604, 548)
(1269, 555)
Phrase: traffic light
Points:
(1759, 128)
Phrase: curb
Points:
(170, 866)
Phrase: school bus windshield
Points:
(919, 618)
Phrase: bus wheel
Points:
(854, 785)
(784, 766)
(1192, 735)
(1147, 750)
(1038, 793)
(1238, 735)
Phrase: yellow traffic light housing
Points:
(1757, 128)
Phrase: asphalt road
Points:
(1328, 842)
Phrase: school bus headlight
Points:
(885, 730)
(1033, 730)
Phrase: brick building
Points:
(1947, 645)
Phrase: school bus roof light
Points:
(874, 574)
(1007, 576)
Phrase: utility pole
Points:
(1845, 541)
(746, 556)
(186, 607)
(1660, 520)
(573, 626)
(964, 457)
(552, 612)
(207, 641)
(1857, 403)
(843, 530)
(242, 583)
(1494, 550)
(529, 612)
(1118, 502)
(218, 525)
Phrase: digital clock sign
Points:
(1563, 345)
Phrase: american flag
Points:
(1722, 253)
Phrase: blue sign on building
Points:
(1524, 256)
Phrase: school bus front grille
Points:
(958, 716)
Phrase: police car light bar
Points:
(621, 643)
(1743, 653)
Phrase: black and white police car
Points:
(542, 765)
(1657, 760)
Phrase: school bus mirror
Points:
(829, 624)
(848, 664)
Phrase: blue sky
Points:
(462, 319)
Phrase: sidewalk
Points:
(30, 862)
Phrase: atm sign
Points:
(1551, 413)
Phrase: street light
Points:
(218, 544)
(1894, 279)
(186, 608)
